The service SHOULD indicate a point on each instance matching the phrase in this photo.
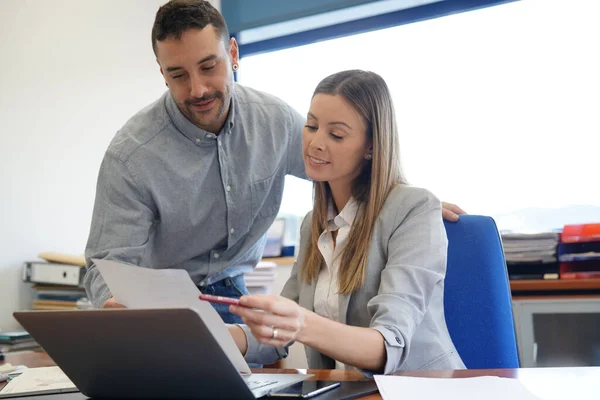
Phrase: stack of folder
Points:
(56, 297)
(579, 251)
(57, 281)
(261, 279)
(16, 341)
(531, 256)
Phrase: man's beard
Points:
(197, 116)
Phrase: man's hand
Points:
(450, 211)
(111, 303)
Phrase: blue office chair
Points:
(477, 297)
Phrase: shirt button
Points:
(197, 140)
(398, 340)
(220, 144)
(228, 188)
(231, 230)
(216, 255)
(208, 135)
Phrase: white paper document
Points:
(137, 287)
(561, 383)
(10, 369)
(484, 387)
(38, 381)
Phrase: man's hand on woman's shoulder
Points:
(450, 211)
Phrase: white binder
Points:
(53, 273)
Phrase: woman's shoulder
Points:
(402, 200)
(405, 199)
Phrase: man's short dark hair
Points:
(177, 16)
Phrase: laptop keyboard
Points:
(257, 384)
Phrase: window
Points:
(497, 108)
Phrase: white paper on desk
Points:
(137, 287)
(10, 369)
(43, 379)
(484, 387)
(561, 383)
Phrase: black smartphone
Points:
(306, 389)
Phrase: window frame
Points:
(388, 20)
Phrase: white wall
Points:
(71, 73)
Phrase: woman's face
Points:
(334, 140)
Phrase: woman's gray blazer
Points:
(403, 293)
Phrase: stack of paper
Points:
(261, 279)
(480, 388)
(531, 256)
(15, 341)
(539, 247)
(557, 384)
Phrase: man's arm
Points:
(295, 162)
(122, 221)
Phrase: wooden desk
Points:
(541, 376)
(554, 287)
(280, 261)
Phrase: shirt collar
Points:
(345, 217)
(190, 130)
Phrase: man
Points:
(195, 180)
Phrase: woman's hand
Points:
(274, 320)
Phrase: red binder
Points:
(580, 233)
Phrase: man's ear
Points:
(234, 52)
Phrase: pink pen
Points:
(220, 299)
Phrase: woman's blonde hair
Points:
(370, 96)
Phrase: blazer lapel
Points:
(307, 295)
(343, 301)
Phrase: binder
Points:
(53, 273)
(580, 233)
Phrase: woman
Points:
(367, 288)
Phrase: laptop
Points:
(144, 353)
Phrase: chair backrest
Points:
(477, 297)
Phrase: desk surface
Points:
(539, 375)
(280, 260)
